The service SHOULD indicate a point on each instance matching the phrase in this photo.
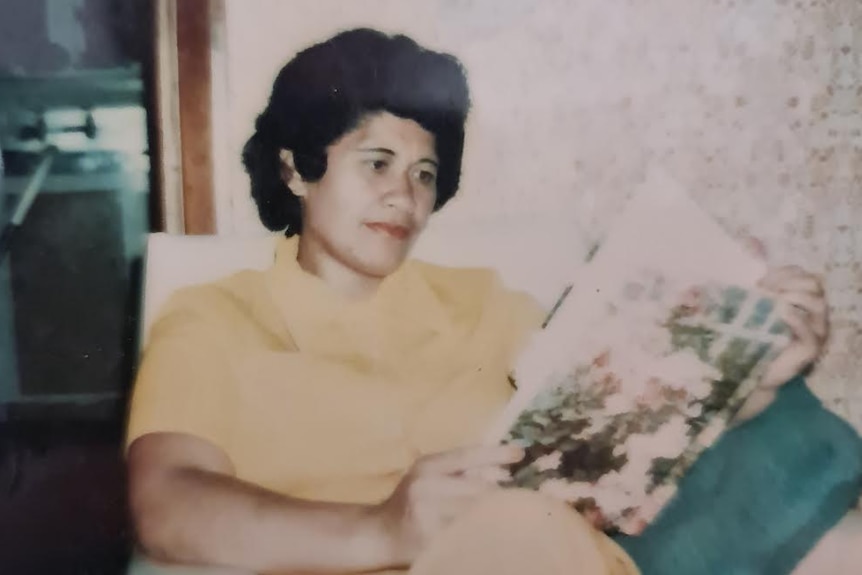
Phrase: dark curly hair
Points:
(329, 88)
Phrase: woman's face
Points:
(361, 219)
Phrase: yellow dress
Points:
(320, 397)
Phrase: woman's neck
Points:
(339, 276)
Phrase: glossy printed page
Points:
(656, 346)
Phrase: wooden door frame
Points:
(189, 54)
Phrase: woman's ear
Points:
(291, 178)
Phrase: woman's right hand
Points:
(436, 489)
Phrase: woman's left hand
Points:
(802, 305)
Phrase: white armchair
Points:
(173, 262)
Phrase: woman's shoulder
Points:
(476, 287)
(226, 303)
(470, 280)
(480, 295)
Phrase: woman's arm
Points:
(188, 507)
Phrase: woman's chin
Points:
(382, 265)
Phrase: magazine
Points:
(650, 352)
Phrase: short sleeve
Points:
(183, 383)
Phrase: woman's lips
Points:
(396, 231)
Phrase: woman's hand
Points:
(803, 307)
(436, 489)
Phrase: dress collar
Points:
(403, 313)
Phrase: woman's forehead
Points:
(386, 130)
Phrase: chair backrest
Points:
(173, 262)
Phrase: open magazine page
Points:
(657, 345)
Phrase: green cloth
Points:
(759, 500)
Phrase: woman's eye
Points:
(427, 177)
(378, 165)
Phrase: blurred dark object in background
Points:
(73, 74)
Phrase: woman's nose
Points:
(399, 192)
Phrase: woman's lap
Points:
(762, 497)
(512, 532)
(755, 504)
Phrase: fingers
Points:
(792, 279)
(438, 488)
(805, 292)
(436, 500)
(800, 354)
(493, 475)
(799, 325)
(806, 301)
(810, 309)
(444, 488)
(462, 460)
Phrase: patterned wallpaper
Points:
(754, 105)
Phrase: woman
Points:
(317, 417)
